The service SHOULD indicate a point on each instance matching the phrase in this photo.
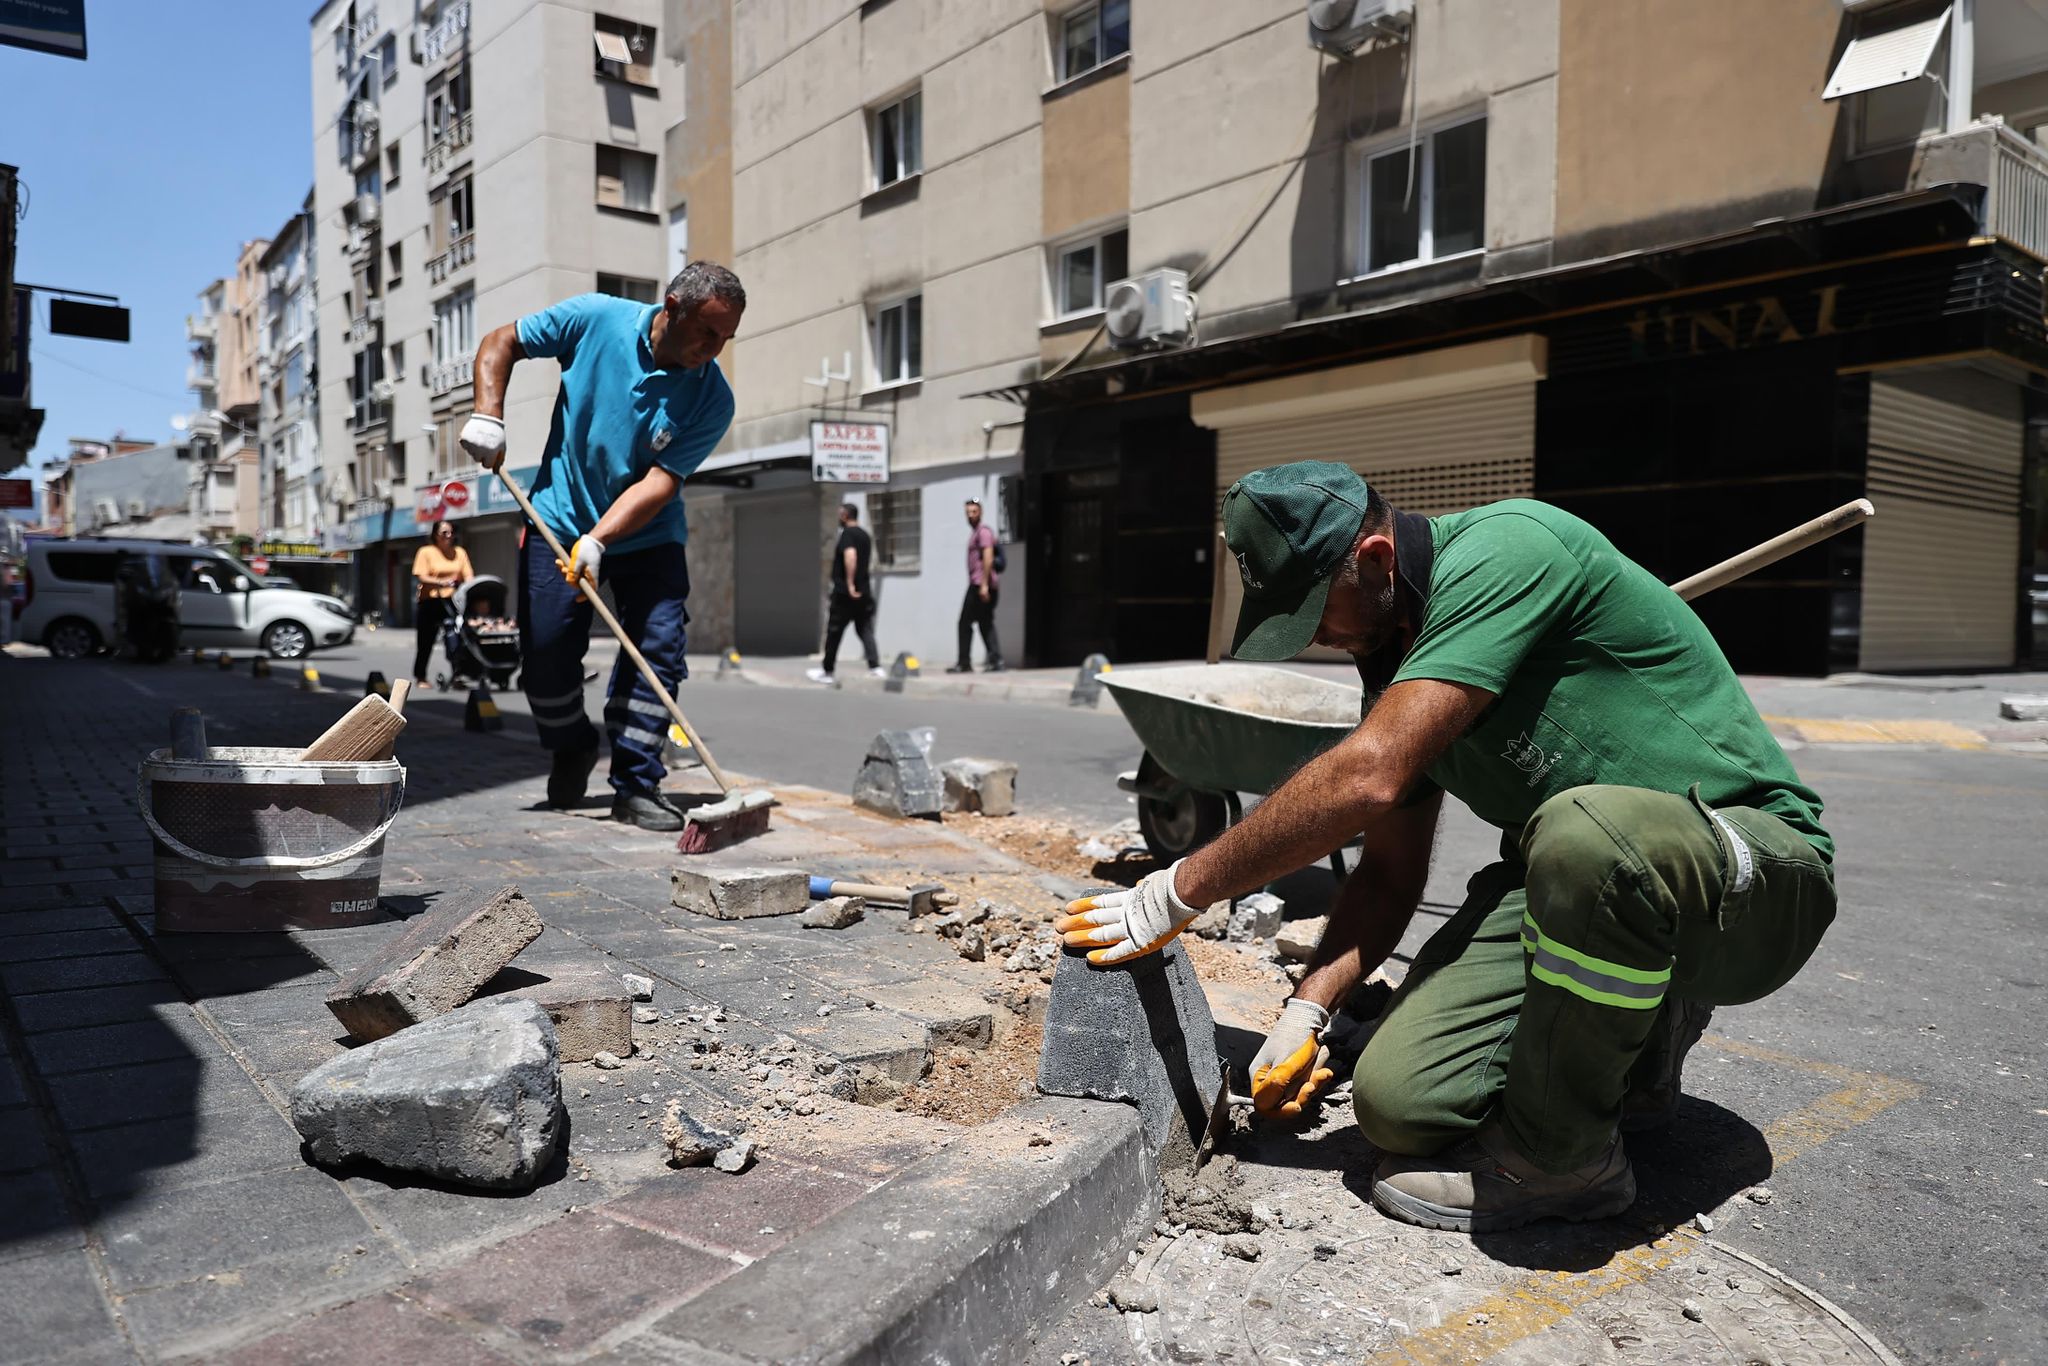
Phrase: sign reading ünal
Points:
(849, 453)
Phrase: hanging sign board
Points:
(849, 453)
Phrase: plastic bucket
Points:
(252, 839)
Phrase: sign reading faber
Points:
(849, 453)
(448, 500)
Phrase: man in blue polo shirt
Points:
(642, 403)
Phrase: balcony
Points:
(368, 413)
(362, 329)
(450, 375)
(447, 36)
(201, 327)
(453, 139)
(200, 374)
(2012, 170)
(461, 252)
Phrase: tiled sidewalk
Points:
(154, 1203)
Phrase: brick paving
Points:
(154, 1201)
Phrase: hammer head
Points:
(923, 898)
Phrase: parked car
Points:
(222, 603)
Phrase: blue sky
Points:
(187, 132)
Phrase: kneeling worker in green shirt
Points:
(1660, 856)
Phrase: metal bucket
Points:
(252, 839)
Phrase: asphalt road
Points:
(1898, 1081)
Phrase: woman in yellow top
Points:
(439, 569)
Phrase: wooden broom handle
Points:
(619, 632)
(1777, 548)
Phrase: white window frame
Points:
(1062, 310)
(878, 378)
(1066, 20)
(626, 156)
(909, 139)
(1358, 198)
(455, 326)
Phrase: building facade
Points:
(225, 495)
(294, 515)
(473, 163)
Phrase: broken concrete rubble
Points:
(1139, 1032)
(442, 959)
(589, 1006)
(986, 787)
(833, 913)
(896, 777)
(473, 1096)
(690, 1142)
(1255, 917)
(1297, 939)
(739, 893)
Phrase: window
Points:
(398, 359)
(394, 458)
(628, 287)
(455, 327)
(1092, 35)
(454, 213)
(897, 521)
(387, 57)
(391, 161)
(396, 254)
(898, 139)
(625, 52)
(447, 102)
(899, 341)
(1439, 210)
(625, 180)
(678, 238)
(1896, 115)
(1082, 271)
(295, 376)
(82, 566)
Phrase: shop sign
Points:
(1737, 325)
(449, 500)
(294, 550)
(491, 495)
(849, 453)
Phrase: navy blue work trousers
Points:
(649, 587)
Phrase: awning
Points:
(1886, 54)
(611, 47)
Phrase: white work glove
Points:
(484, 439)
(584, 559)
(1127, 924)
(1293, 1065)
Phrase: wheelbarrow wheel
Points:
(1177, 825)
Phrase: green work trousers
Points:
(1539, 995)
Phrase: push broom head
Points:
(720, 824)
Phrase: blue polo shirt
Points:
(618, 415)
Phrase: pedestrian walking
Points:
(852, 600)
(439, 568)
(1660, 855)
(642, 403)
(984, 571)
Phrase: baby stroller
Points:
(481, 639)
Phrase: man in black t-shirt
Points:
(853, 599)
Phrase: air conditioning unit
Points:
(373, 309)
(384, 390)
(137, 509)
(105, 512)
(367, 209)
(1343, 26)
(1153, 310)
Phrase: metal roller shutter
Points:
(1941, 558)
(1431, 456)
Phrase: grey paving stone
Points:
(90, 1006)
(23, 948)
(129, 1159)
(430, 1221)
(12, 1091)
(175, 1235)
(53, 1308)
(438, 962)
(60, 920)
(197, 1319)
(246, 976)
(156, 1090)
(65, 974)
(169, 1033)
(35, 1218)
(23, 1147)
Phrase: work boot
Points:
(1485, 1185)
(994, 666)
(960, 669)
(646, 810)
(1652, 1099)
(569, 776)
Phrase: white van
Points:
(222, 603)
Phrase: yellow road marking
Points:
(1829, 731)
(1537, 1302)
(1532, 1305)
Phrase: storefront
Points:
(1690, 402)
(307, 564)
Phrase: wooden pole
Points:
(1777, 548)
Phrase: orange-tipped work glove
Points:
(584, 558)
(1293, 1066)
(1115, 926)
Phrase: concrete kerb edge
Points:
(961, 1257)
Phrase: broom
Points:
(736, 815)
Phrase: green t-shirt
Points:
(1602, 674)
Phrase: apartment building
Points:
(225, 496)
(1694, 272)
(473, 163)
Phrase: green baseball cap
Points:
(1290, 527)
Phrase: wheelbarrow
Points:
(1213, 731)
